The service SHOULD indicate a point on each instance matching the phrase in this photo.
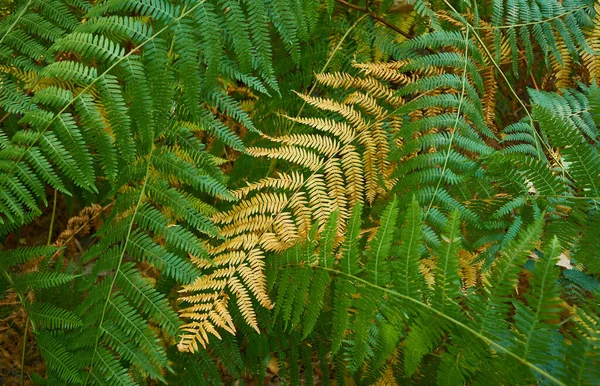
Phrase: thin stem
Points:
(375, 17)
(534, 22)
(458, 110)
(496, 346)
(16, 21)
(4, 117)
(23, 351)
(511, 88)
(117, 270)
(314, 85)
(52, 218)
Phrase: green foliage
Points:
(105, 102)
(429, 212)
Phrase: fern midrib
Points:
(118, 310)
(407, 273)
(544, 21)
(16, 21)
(121, 258)
(447, 257)
(458, 110)
(57, 359)
(538, 308)
(350, 247)
(86, 88)
(131, 352)
(580, 374)
(501, 278)
(511, 88)
(149, 301)
(381, 242)
(458, 323)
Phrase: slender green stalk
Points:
(460, 103)
(23, 351)
(535, 22)
(16, 21)
(314, 85)
(117, 270)
(52, 218)
(512, 90)
(493, 344)
(27, 320)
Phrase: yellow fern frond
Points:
(261, 203)
(387, 378)
(248, 224)
(562, 71)
(243, 301)
(428, 271)
(490, 85)
(592, 61)
(383, 70)
(343, 162)
(342, 130)
(335, 185)
(243, 241)
(255, 280)
(469, 270)
(370, 84)
(355, 117)
(365, 101)
(321, 204)
(293, 154)
(291, 181)
(302, 213)
(324, 145)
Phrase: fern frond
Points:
(543, 299)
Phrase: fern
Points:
(551, 25)
(107, 81)
(382, 190)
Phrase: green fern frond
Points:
(57, 358)
(584, 162)
(39, 280)
(544, 306)
(48, 316)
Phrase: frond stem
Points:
(511, 88)
(16, 21)
(534, 22)
(458, 323)
(86, 88)
(117, 270)
(22, 376)
(375, 17)
(460, 103)
(52, 218)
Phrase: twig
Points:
(22, 378)
(375, 17)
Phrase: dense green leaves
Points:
(473, 256)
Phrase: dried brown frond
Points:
(80, 225)
(12, 328)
